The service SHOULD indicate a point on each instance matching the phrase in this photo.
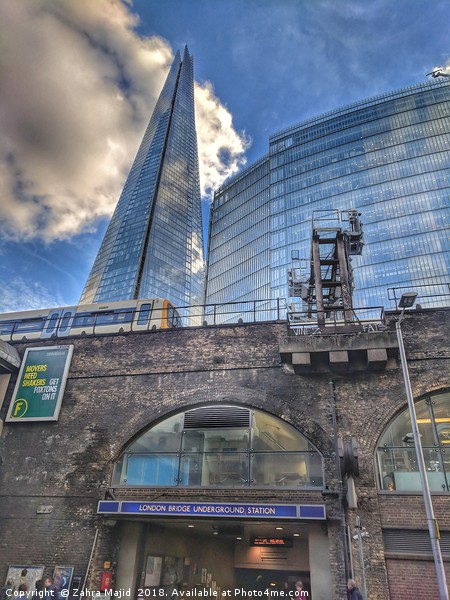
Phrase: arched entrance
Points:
(213, 499)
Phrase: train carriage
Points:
(89, 319)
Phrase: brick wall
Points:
(119, 385)
(414, 579)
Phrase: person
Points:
(299, 591)
(353, 592)
(39, 585)
(50, 588)
(259, 584)
(22, 590)
(7, 590)
(61, 582)
(287, 588)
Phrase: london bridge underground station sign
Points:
(40, 386)
(209, 509)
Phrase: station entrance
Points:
(233, 558)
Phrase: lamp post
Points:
(407, 301)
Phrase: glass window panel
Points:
(396, 431)
(273, 435)
(52, 322)
(6, 327)
(65, 321)
(217, 469)
(166, 436)
(144, 314)
(425, 425)
(399, 470)
(397, 460)
(29, 326)
(216, 440)
(441, 411)
(156, 469)
(294, 469)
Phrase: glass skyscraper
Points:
(388, 157)
(239, 242)
(153, 246)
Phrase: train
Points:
(89, 319)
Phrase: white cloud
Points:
(78, 87)
(221, 149)
(24, 294)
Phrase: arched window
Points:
(225, 446)
(397, 461)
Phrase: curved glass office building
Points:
(388, 157)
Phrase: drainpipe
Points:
(343, 526)
(90, 558)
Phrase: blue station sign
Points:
(208, 509)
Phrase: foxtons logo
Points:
(20, 407)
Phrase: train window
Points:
(105, 318)
(124, 315)
(6, 327)
(65, 321)
(174, 318)
(144, 314)
(121, 315)
(84, 320)
(29, 325)
(52, 322)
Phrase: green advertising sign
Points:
(40, 386)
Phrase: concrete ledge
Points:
(343, 353)
(301, 358)
(9, 358)
(377, 358)
(330, 343)
(339, 361)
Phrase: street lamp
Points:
(407, 301)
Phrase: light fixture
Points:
(407, 300)
(296, 534)
(215, 533)
(436, 420)
(408, 438)
(239, 538)
(279, 528)
(191, 525)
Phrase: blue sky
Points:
(80, 78)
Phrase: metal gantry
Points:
(326, 291)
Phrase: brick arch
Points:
(304, 424)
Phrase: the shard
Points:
(153, 246)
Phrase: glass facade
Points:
(239, 241)
(388, 157)
(221, 446)
(396, 456)
(153, 246)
